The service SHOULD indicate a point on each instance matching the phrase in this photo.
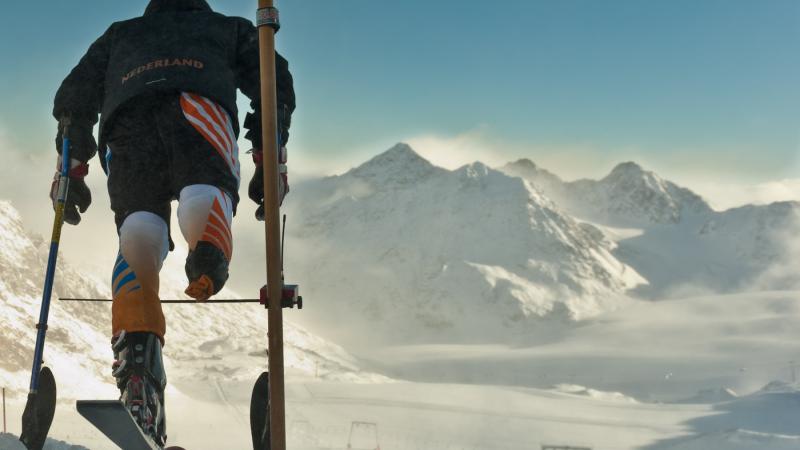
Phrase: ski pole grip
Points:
(268, 17)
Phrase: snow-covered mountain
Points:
(203, 341)
(629, 195)
(749, 248)
(673, 238)
(421, 252)
(401, 250)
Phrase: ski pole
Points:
(40, 407)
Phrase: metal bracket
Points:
(268, 17)
(290, 296)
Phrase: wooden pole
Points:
(277, 418)
(4, 411)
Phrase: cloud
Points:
(782, 273)
(454, 151)
(573, 161)
(726, 195)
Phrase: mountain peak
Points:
(628, 168)
(400, 153)
(635, 193)
(524, 163)
(399, 156)
(398, 164)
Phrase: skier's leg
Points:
(204, 214)
(143, 245)
(205, 173)
(140, 188)
(138, 321)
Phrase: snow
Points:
(737, 440)
(465, 309)
(10, 441)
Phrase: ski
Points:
(116, 422)
(259, 413)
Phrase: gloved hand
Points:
(256, 188)
(82, 144)
(78, 195)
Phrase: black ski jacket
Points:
(176, 46)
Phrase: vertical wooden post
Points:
(269, 139)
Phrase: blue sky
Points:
(700, 85)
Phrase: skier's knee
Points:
(205, 214)
(144, 240)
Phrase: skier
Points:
(164, 85)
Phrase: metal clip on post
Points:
(268, 17)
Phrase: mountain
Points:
(203, 341)
(423, 253)
(673, 238)
(628, 196)
(543, 179)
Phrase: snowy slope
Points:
(22, 264)
(421, 252)
(658, 353)
(743, 249)
(668, 350)
(10, 441)
(203, 341)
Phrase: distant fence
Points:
(563, 447)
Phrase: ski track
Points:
(243, 418)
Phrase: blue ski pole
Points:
(41, 405)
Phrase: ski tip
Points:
(39, 412)
(174, 448)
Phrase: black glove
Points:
(82, 144)
(78, 195)
(252, 122)
(256, 188)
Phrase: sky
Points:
(702, 88)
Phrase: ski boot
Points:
(207, 271)
(141, 379)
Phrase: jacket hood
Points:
(157, 6)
